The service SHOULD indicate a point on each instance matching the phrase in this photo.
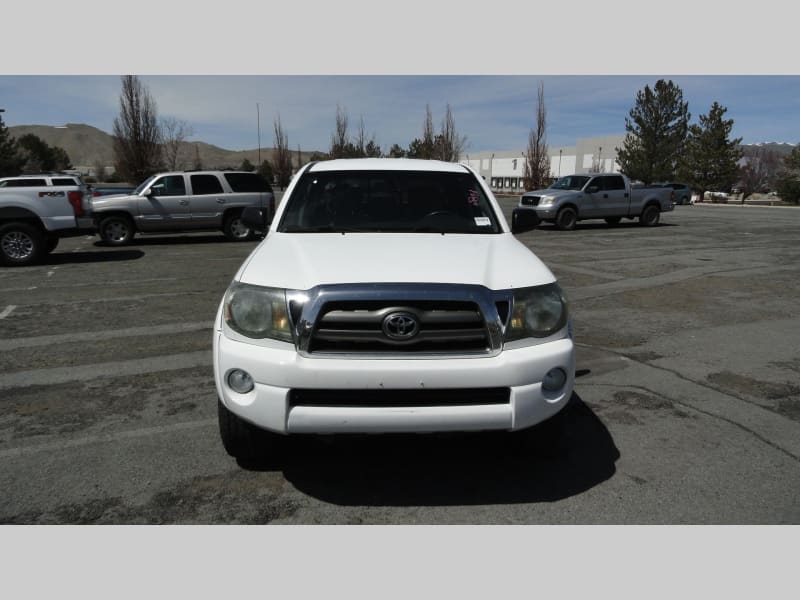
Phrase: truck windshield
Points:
(388, 201)
(572, 182)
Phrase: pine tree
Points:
(710, 158)
(10, 159)
(657, 127)
(788, 187)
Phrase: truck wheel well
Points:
(651, 203)
(572, 206)
(15, 213)
(230, 212)
(114, 213)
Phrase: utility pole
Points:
(258, 119)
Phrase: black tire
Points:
(544, 439)
(50, 244)
(21, 244)
(650, 216)
(566, 219)
(613, 220)
(245, 441)
(684, 201)
(116, 230)
(235, 230)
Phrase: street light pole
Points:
(258, 118)
(560, 150)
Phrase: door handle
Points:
(605, 195)
(220, 200)
(184, 202)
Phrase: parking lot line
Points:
(122, 368)
(105, 438)
(88, 336)
(7, 311)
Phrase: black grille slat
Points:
(444, 327)
(399, 398)
(355, 335)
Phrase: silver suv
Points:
(183, 201)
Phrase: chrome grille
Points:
(358, 327)
(448, 319)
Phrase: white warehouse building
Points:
(503, 170)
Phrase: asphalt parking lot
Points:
(687, 403)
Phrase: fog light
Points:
(554, 380)
(240, 381)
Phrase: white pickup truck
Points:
(609, 196)
(33, 219)
(390, 295)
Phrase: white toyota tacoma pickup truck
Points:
(390, 295)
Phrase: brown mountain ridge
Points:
(89, 147)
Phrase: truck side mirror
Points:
(523, 219)
(592, 189)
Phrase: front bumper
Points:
(545, 213)
(279, 369)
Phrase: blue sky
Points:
(495, 112)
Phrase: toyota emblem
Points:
(400, 326)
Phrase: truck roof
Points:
(387, 164)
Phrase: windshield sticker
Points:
(472, 198)
(483, 221)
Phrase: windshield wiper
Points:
(322, 229)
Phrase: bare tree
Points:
(282, 156)
(137, 137)
(536, 168)
(100, 171)
(339, 139)
(450, 144)
(759, 172)
(174, 133)
(360, 142)
(428, 142)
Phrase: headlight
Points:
(538, 312)
(257, 312)
(546, 201)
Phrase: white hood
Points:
(303, 260)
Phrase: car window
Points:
(27, 182)
(64, 181)
(247, 182)
(570, 183)
(613, 182)
(169, 185)
(205, 184)
(388, 201)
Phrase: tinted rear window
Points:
(205, 184)
(24, 182)
(247, 182)
(64, 181)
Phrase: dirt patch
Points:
(741, 384)
(789, 408)
(621, 417)
(76, 406)
(235, 497)
(641, 401)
